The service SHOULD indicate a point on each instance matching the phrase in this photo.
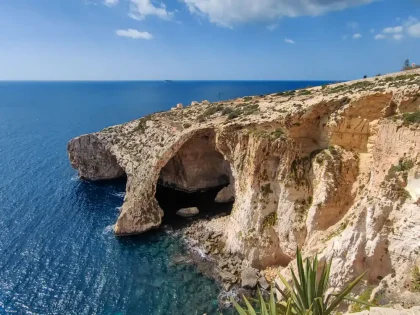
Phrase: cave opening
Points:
(197, 176)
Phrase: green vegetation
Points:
(415, 279)
(234, 114)
(364, 297)
(186, 125)
(272, 135)
(286, 93)
(306, 295)
(250, 109)
(212, 110)
(227, 111)
(402, 166)
(408, 66)
(247, 98)
(270, 220)
(411, 118)
(304, 92)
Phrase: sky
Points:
(206, 39)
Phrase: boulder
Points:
(193, 103)
(249, 277)
(179, 106)
(227, 194)
(188, 212)
(205, 102)
(263, 283)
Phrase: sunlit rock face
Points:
(333, 170)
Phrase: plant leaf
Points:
(238, 308)
(340, 297)
(251, 310)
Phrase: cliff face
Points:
(334, 170)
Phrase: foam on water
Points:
(109, 229)
(75, 178)
(119, 194)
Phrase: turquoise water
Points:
(57, 251)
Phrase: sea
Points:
(58, 254)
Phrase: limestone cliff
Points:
(334, 170)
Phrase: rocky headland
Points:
(333, 170)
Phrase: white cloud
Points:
(352, 25)
(398, 36)
(272, 27)
(111, 3)
(357, 36)
(414, 30)
(139, 9)
(135, 34)
(410, 21)
(379, 36)
(393, 30)
(230, 12)
(289, 41)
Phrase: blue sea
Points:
(58, 254)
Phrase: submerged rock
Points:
(188, 212)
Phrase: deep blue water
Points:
(57, 251)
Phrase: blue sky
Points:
(206, 39)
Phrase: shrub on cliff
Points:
(306, 295)
(411, 118)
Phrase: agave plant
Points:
(306, 295)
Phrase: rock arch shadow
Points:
(196, 176)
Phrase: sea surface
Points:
(58, 254)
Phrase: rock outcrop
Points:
(334, 170)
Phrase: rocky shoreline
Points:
(206, 249)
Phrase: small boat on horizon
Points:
(168, 81)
